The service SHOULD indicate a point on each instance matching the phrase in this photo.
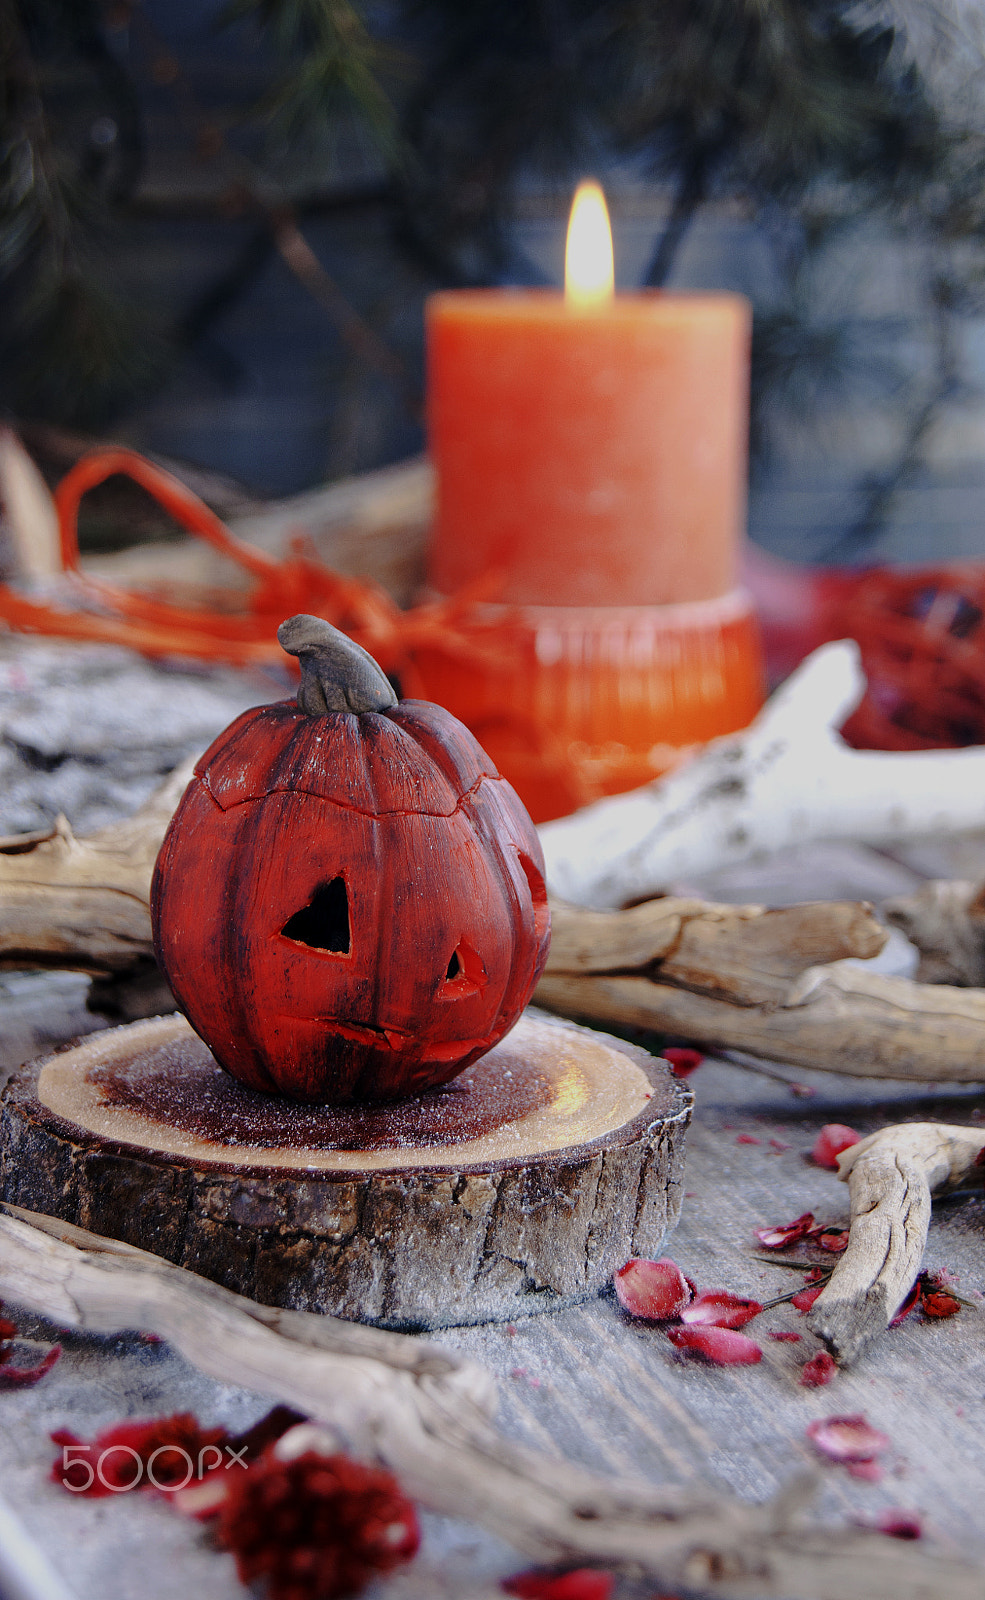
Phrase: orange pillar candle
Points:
(590, 453)
(589, 456)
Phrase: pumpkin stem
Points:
(336, 673)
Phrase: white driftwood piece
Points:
(84, 903)
(945, 919)
(891, 1176)
(424, 1413)
(786, 780)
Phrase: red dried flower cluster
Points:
(153, 1454)
(933, 1292)
(12, 1377)
(316, 1528)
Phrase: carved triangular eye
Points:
(324, 922)
(466, 973)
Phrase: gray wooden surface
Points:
(587, 1384)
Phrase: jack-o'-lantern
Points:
(349, 903)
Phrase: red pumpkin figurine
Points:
(349, 903)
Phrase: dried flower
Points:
(653, 1290)
(939, 1304)
(717, 1308)
(848, 1439)
(162, 1453)
(833, 1138)
(933, 1293)
(783, 1335)
(723, 1346)
(936, 1298)
(318, 1527)
(584, 1583)
(786, 1232)
(818, 1371)
(682, 1060)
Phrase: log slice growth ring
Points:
(520, 1186)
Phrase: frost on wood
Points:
(891, 1176)
(424, 1413)
(787, 779)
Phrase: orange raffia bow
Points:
(89, 608)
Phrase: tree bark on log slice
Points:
(518, 1187)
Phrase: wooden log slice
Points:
(518, 1187)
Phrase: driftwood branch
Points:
(946, 921)
(769, 982)
(835, 1018)
(786, 780)
(748, 954)
(84, 903)
(891, 1176)
(424, 1413)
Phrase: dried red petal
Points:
(653, 1290)
(834, 1241)
(7, 1329)
(786, 1232)
(833, 1138)
(718, 1308)
(747, 1138)
(723, 1346)
(316, 1528)
(939, 1304)
(682, 1060)
(850, 1439)
(818, 1371)
(805, 1298)
(783, 1335)
(907, 1305)
(23, 1377)
(870, 1471)
(899, 1524)
(584, 1583)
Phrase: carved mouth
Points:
(397, 1039)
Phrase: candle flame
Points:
(589, 277)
